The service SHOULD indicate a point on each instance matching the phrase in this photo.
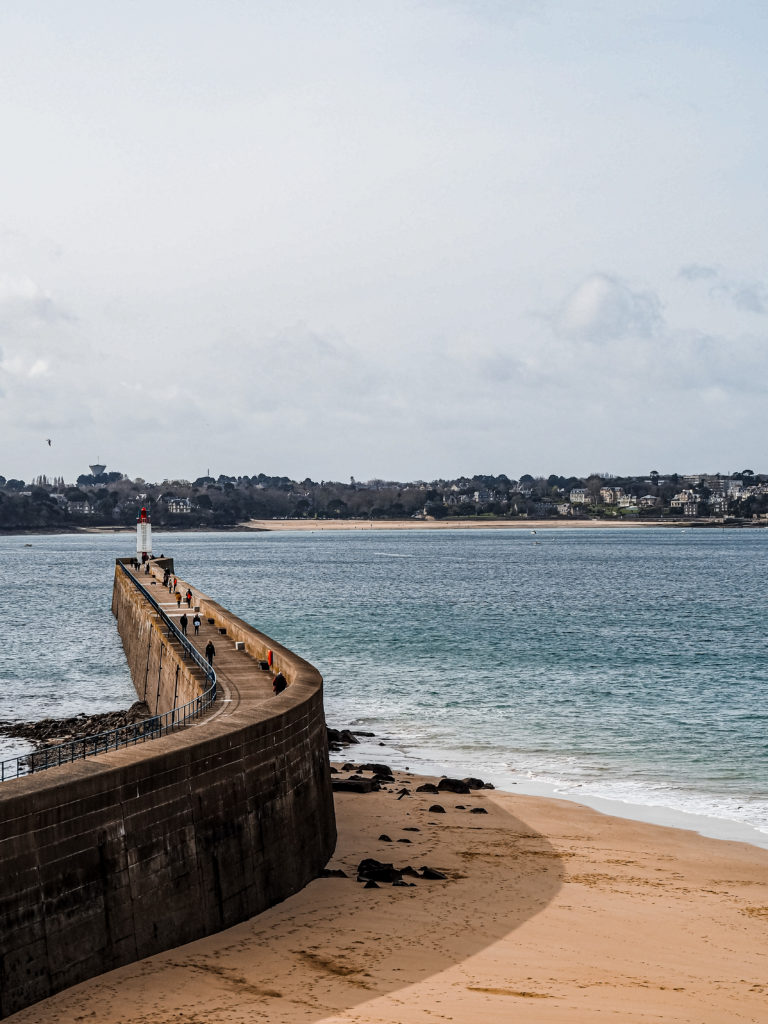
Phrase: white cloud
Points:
(750, 296)
(38, 368)
(604, 308)
(23, 366)
(24, 305)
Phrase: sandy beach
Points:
(550, 912)
(447, 524)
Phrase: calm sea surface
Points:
(630, 665)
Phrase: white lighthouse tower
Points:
(143, 536)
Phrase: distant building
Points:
(580, 496)
(687, 502)
(542, 508)
(678, 501)
(178, 506)
(611, 495)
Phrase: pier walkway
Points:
(238, 674)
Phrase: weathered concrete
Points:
(109, 860)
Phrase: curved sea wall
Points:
(110, 859)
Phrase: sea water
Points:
(622, 665)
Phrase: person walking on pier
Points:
(178, 600)
(183, 622)
(188, 597)
(210, 650)
(196, 623)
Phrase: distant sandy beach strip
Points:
(551, 912)
(441, 524)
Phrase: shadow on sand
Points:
(336, 945)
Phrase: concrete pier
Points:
(110, 859)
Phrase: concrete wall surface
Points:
(108, 860)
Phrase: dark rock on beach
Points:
(474, 783)
(432, 873)
(377, 769)
(354, 785)
(427, 787)
(333, 873)
(384, 839)
(373, 870)
(437, 809)
(338, 738)
(452, 786)
(478, 810)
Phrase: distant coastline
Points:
(313, 525)
(480, 524)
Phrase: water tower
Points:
(97, 469)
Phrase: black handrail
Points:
(124, 735)
(173, 630)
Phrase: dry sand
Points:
(551, 912)
(447, 524)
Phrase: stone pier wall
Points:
(161, 679)
(111, 859)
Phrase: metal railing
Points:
(124, 735)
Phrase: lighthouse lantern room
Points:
(143, 536)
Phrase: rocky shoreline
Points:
(50, 732)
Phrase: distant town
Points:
(103, 499)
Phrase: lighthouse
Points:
(143, 536)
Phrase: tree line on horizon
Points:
(224, 501)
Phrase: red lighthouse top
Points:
(143, 516)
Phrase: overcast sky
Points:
(397, 238)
